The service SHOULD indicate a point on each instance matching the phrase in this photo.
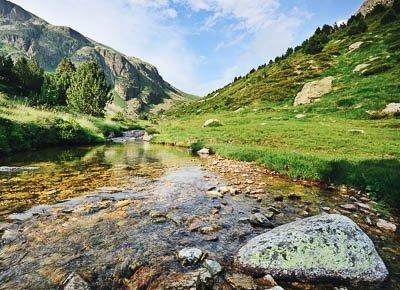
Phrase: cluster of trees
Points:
(24, 74)
(84, 89)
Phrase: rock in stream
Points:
(317, 248)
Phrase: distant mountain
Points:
(137, 84)
(368, 5)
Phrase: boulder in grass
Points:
(314, 249)
(212, 123)
(391, 109)
(313, 91)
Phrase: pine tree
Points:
(396, 6)
(6, 69)
(89, 90)
(63, 77)
(28, 75)
(49, 94)
(357, 24)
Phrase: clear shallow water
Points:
(112, 190)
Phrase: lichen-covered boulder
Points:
(313, 91)
(316, 248)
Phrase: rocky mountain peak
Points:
(10, 11)
(368, 5)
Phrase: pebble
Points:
(213, 267)
(349, 207)
(385, 225)
(363, 205)
(241, 282)
(215, 194)
(267, 281)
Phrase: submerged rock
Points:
(213, 267)
(11, 169)
(260, 220)
(242, 282)
(316, 248)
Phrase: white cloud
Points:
(130, 26)
(253, 31)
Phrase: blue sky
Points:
(197, 45)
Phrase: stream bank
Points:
(123, 212)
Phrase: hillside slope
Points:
(137, 84)
(344, 137)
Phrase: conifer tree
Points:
(89, 90)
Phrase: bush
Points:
(389, 17)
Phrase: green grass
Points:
(24, 128)
(317, 147)
(338, 141)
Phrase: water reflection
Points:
(66, 173)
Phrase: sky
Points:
(197, 45)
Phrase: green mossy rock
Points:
(318, 248)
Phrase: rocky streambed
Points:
(152, 217)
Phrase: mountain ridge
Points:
(137, 84)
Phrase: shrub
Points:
(389, 17)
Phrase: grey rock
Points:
(392, 108)
(204, 151)
(316, 248)
(212, 123)
(260, 220)
(190, 256)
(361, 67)
(213, 267)
(9, 236)
(355, 45)
(11, 169)
(313, 91)
(75, 282)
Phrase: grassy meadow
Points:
(23, 127)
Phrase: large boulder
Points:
(212, 123)
(355, 45)
(317, 248)
(391, 109)
(313, 91)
